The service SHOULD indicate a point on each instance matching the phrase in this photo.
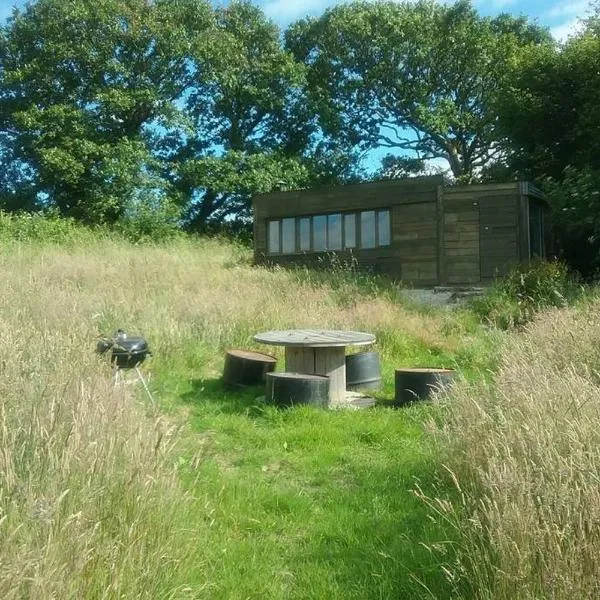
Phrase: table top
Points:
(315, 338)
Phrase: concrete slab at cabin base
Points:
(351, 401)
(444, 297)
(320, 361)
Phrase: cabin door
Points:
(498, 229)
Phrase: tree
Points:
(82, 84)
(549, 118)
(418, 78)
(242, 136)
(549, 112)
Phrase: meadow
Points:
(208, 493)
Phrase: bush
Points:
(514, 300)
(150, 219)
(45, 227)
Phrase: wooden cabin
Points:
(416, 230)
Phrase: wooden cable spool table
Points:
(318, 352)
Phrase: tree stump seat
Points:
(420, 383)
(289, 389)
(247, 368)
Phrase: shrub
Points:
(150, 219)
(46, 227)
(514, 299)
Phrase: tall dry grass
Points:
(525, 456)
(88, 504)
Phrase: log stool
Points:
(363, 371)
(288, 389)
(246, 368)
(418, 384)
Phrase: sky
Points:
(561, 16)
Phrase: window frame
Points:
(343, 214)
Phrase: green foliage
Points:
(44, 228)
(79, 85)
(419, 77)
(150, 219)
(229, 181)
(575, 200)
(515, 299)
(550, 120)
(241, 136)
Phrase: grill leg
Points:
(139, 374)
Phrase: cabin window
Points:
(288, 236)
(337, 231)
(536, 230)
(367, 229)
(350, 230)
(334, 232)
(319, 233)
(274, 247)
(383, 227)
(305, 234)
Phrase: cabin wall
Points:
(485, 232)
(456, 235)
(412, 254)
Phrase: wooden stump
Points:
(418, 384)
(288, 389)
(246, 368)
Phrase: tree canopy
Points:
(550, 122)
(420, 77)
(80, 84)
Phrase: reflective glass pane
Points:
(288, 236)
(274, 237)
(350, 231)
(334, 232)
(320, 233)
(383, 227)
(305, 235)
(536, 229)
(367, 229)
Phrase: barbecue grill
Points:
(126, 352)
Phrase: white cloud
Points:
(496, 3)
(564, 30)
(574, 8)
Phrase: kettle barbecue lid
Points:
(121, 343)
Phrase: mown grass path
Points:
(305, 503)
(308, 503)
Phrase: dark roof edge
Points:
(529, 189)
(525, 188)
(434, 180)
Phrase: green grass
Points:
(305, 503)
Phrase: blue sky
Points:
(561, 16)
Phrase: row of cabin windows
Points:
(321, 233)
